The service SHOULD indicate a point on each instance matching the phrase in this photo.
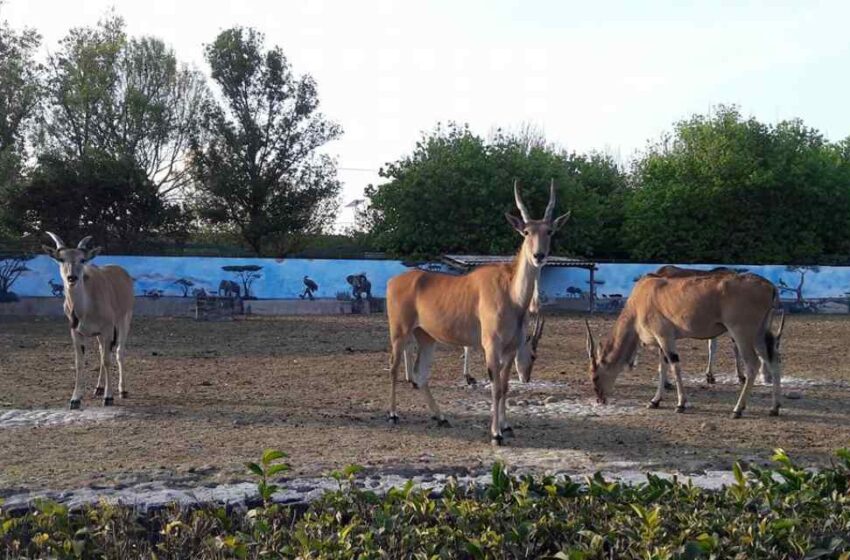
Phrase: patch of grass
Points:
(782, 512)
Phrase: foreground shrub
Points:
(784, 512)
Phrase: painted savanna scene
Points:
(310, 280)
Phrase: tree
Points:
(20, 93)
(112, 200)
(127, 98)
(460, 185)
(258, 170)
(727, 189)
(185, 284)
(246, 274)
(798, 289)
(11, 268)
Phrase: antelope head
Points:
(71, 261)
(527, 353)
(603, 373)
(537, 233)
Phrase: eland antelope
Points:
(485, 308)
(661, 310)
(98, 303)
(672, 271)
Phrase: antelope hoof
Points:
(471, 380)
(108, 401)
(98, 391)
(442, 422)
(124, 395)
(508, 432)
(742, 380)
(668, 386)
(737, 413)
(774, 411)
(653, 404)
(74, 404)
(496, 441)
(414, 384)
(710, 379)
(680, 409)
(392, 418)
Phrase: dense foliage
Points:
(786, 512)
(728, 189)
(720, 188)
(257, 169)
(451, 193)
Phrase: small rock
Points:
(521, 402)
(550, 399)
(793, 395)
(206, 384)
(708, 426)
(512, 401)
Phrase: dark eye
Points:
(525, 232)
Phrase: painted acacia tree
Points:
(258, 170)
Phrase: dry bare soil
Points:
(206, 397)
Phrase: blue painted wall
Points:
(279, 278)
(282, 278)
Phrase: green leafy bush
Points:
(784, 512)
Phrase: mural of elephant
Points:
(229, 288)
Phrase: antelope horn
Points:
(56, 239)
(591, 348)
(522, 209)
(550, 208)
(84, 242)
(538, 331)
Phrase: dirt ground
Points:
(206, 397)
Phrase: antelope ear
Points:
(92, 253)
(52, 252)
(517, 223)
(561, 220)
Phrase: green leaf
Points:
(255, 468)
(276, 469)
(270, 455)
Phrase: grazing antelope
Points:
(662, 310)
(98, 303)
(671, 271)
(485, 308)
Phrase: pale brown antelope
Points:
(660, 311)
(485, 308)
(672, 271)
(98, 303)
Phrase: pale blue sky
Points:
(605, 76)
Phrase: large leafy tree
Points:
(20, 94)
(112, 200)
(450, 194)
(258, 170)
(728, 189)
(126, 98)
